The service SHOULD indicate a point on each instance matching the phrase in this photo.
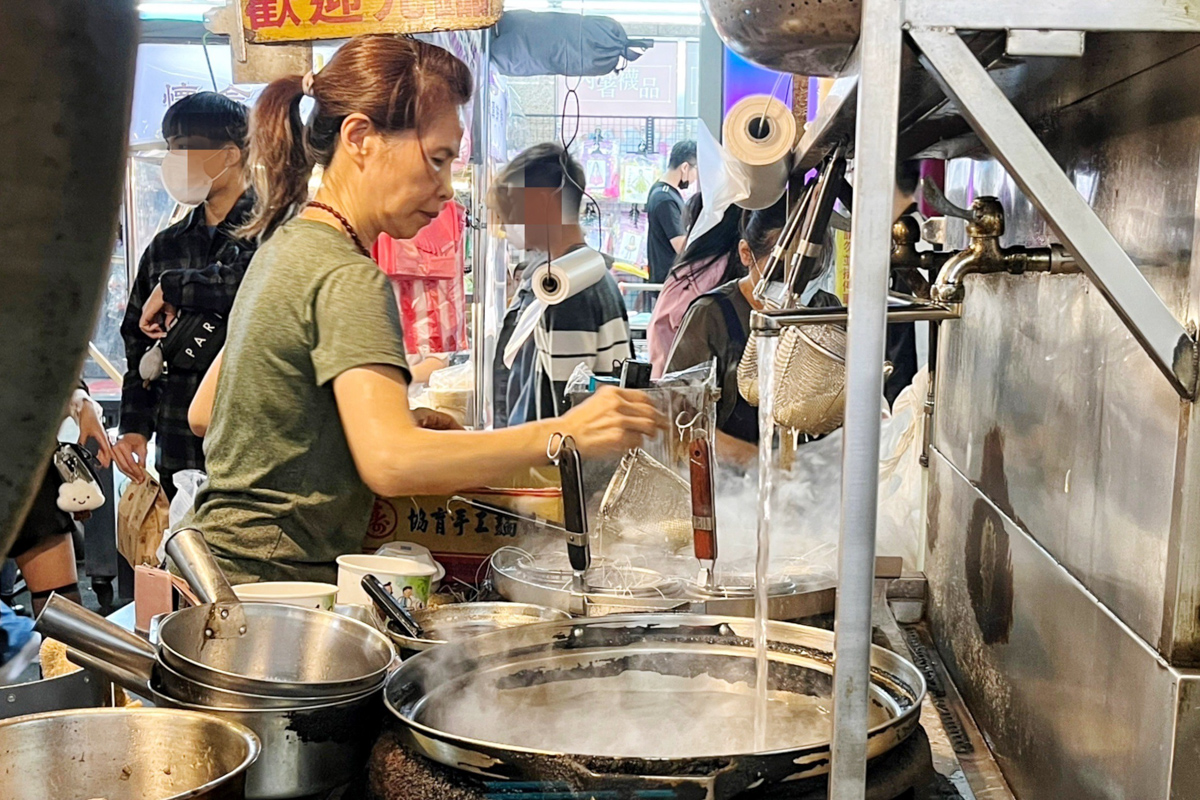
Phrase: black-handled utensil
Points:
(391, 607)
(570, 469)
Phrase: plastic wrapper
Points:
(426, 273)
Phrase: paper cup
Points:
(396, 574)
(307, 594)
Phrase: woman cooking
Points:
(308, 404)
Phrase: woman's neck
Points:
(746, 286)
(340, 201)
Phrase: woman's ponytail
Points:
(280, 161)
(389, 79)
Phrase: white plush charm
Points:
(80, 495)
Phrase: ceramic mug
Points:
(407, 579)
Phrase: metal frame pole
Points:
(483, 346)
(1034, 169)
(1177, 16)
(870, 256)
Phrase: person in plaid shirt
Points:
(196, 265)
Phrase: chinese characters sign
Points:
(647, 87)
(299, 20)
(439, 525)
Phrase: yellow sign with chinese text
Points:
(304, 20)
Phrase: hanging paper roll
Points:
(759, 132)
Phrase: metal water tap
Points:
(984, 255)
(907, 260)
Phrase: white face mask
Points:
(180, 182)
(515, 234)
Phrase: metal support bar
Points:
(1008, 136)
(870, 254)
(1169, 16)
(772, 323)
(483, 328)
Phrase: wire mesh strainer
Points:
(648, 503)
(810, 379)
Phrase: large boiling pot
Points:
(572, 660)
(125, 754)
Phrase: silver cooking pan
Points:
(572, 670)
(264, 648)
(135, 664)
(287, 651)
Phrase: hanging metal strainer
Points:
(647, 503)
(810, 379)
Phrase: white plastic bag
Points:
(901, 475)
(187, 486)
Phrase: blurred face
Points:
(194, 167)
(687, 174)
(534, 212)
(408, 174)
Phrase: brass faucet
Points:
(984, 255)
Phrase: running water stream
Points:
(766, 436)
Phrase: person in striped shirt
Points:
(538, 197)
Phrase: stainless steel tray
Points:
(674, 645)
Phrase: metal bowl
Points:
(572, 663)
(286, 651)
(125, 754)
(804, 37)
(457, 621)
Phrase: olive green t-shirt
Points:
(283, 498)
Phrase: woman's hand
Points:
(611, 422)
(157, 315)
(130, 455)
(91, 429)
(432, 420)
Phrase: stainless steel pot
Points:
(308, 748)
(79, 689)
(719, 650)
(457, 621)
(125, 754)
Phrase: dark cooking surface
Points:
(905, 773)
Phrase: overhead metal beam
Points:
(881, 47)
(1014, 143)
(1177, 16)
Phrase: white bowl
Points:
(308, 594)
(394, 572)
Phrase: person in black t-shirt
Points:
(664, 211)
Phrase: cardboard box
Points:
(463, 533)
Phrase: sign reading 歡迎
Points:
(302, 20)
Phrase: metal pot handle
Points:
(100, 639)
(127, 680)
(189, 551)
